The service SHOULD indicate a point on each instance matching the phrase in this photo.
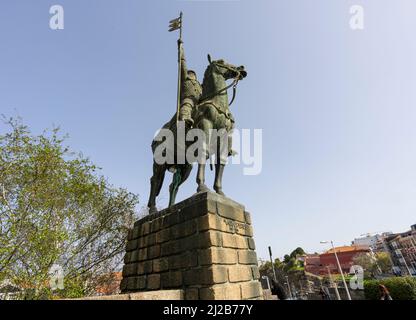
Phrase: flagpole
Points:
(180, 30)
(179, 69)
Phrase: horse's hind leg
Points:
(156, 183)
(173, 188)
(179, 177)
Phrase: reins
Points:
(233, 85)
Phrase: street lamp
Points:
(339, 268)
(333, 283)
(271, 260)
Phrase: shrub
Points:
(400, 288)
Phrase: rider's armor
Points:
(191, 91)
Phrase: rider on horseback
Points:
(209, 112)
(191, 90)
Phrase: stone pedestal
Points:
(203, 246)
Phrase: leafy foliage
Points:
(290, 263)
(384, 262)
(297, 252)
(372, 265)
(56, 209)
(400, 288)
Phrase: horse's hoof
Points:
(152, 210)
(202, 188)
(219, 191)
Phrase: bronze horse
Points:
(211, 113)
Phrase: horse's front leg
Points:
(221, 158)
(206, 126)
(219, 170)
(200, 178)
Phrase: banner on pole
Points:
(175, 24)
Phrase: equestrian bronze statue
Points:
(205, 108)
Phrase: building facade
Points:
(368, 241)
(402, 250)
(321, 264)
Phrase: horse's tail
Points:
(171, 125)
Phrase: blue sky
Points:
(336, 106)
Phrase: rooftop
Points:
(348, 249)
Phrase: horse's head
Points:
(228, 71)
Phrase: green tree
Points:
(384, 262)
(56, 209)
(367, 263)
(291, 261)
(266, 268)
(297, 252)
(286, 258)
(373, 265)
